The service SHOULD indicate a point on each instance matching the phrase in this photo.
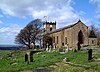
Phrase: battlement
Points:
(50, 22)
(49, 26)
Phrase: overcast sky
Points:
(15, 14)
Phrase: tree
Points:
(32, 32)
(92, 32)
(98, 35)
(47, 40)
(95, 33)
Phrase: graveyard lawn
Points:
(77, 61)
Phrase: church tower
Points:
(49, 26)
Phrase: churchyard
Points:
(52, 60)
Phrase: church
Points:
(69, 35)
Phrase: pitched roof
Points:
(66, 27)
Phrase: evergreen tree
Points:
(92, 34)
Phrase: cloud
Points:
(1, 22)
(13, 29)
(8, 34)
(95, 1)
(61, 11)
(58, 10)
(97, 4)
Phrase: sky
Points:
(16, 14)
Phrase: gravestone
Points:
(54, 46)
(65, 59)
(89, 54)
(42, 70)
(66, 50)
(79, 46)
(26, 57)
(47, 47)
(31, 56)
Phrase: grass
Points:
(42, 59)
(47, 59)
(62, 67)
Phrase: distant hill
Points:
(11, 47)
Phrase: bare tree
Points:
(47, 40)
(30, 33)
(92, 32)
(98, 35)
(95, 33)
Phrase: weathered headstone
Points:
(89, 54)
(31, 56)
(65, 59)
(66, 50)
(26, 57)
(42, 70)
(49, 48)
(54, 46)
(79, 46)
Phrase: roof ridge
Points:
(66, 27)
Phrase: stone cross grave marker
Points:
(79, 46)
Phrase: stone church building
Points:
(69, 35)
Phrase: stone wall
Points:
(61, 37)
(57, 34)
(93, 41)
(75, 30)
(99, 41)
(68, 34)
(72, 35)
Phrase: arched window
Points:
(50, 28)
(53, 39)
(92, 42)
(65, 40)
(80, 37)
(57, 39)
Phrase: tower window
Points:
(50, 28)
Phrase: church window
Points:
(80, 37)
(92, 42)
(57, 39)
(62, 44)
(50, 28)
(65, 40)
(54, 40)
